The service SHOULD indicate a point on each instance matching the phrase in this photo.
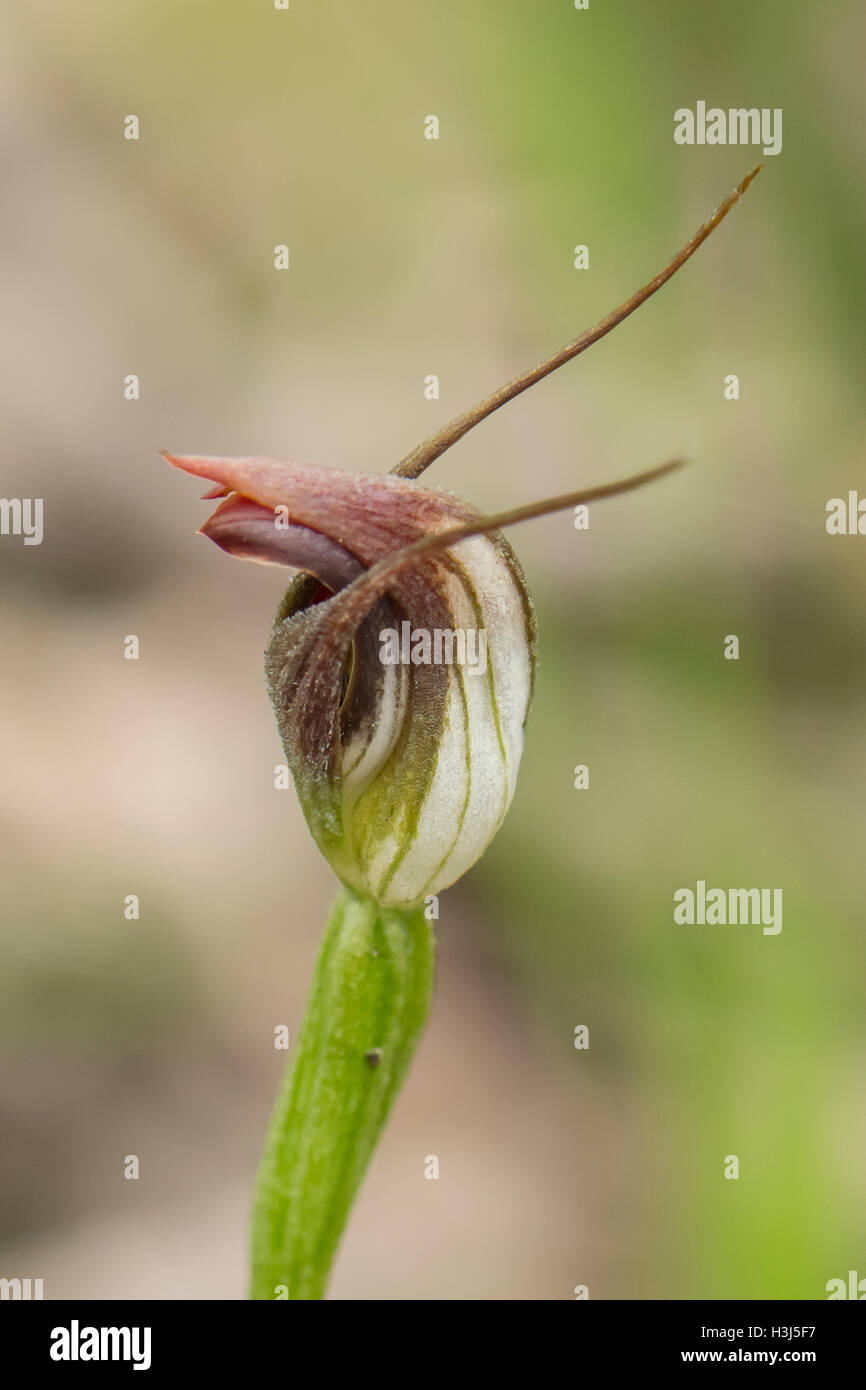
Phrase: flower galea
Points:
(404, 770)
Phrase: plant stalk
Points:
(370, 998)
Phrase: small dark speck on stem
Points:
(374, 1056)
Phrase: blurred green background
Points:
(411, 257)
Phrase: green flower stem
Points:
(371, 994)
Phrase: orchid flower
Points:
(404, 768)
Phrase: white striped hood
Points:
(404, 771)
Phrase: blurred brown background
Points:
(155, 777)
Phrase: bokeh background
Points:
(155, 777)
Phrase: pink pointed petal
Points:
(373, 513)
